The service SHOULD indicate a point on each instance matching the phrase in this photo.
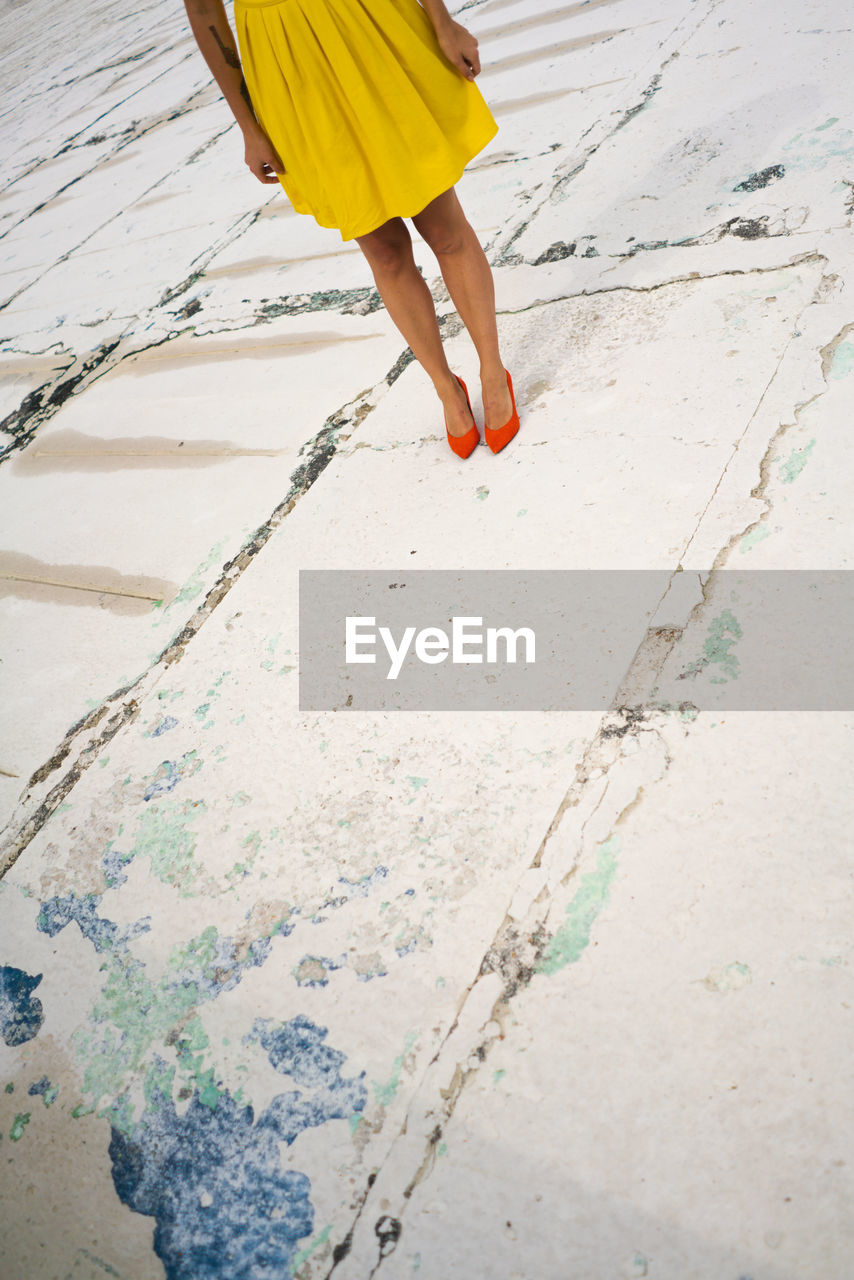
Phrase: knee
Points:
(444, 237)
(389, 248)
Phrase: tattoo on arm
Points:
(228, 53)
(244, 93)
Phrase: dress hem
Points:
(454, 176)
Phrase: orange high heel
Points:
(499, 437)
(463, 445)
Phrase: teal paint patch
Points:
(498, 1075)
(816, 148)
(723, 632)
(384, 1094)
(481, 492)
(759, 534)
(573, 937)
(304, 1254)
(795, 463)
(843, 360)
(416, 784)
(193, 587)
(728, 977)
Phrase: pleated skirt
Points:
(370, 119)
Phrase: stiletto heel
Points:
(463, 445)
(498, 438)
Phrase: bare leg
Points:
(408, 302)
(468, 275)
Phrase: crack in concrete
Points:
(692, 277)
(759, 490)
(319, 452)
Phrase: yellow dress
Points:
(370, 119)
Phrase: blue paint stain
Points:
(167, 723)
(212, 1178)
(361, 888)
(312, 970)
(213, 1182)
(113, 863)
(45, 1090)
(21, 1013)
(56, 913)
(170, 773)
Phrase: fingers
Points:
(474, 59)
(267, 168)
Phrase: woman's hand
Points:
(261, 156)
(460, 47)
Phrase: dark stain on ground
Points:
(514, 958)
(42, 403)
(360, 301)
(190, 309)
(556, 252)
(388, 1231)
(746, 228)
(629, 717)
(339, 1253)
(757, 181)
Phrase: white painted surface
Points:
(594, 969)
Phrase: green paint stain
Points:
(10, 1088)
(163, 835)
(722, 635)
(843, 360)
(821, 127)
(416, 784)
(50, 1095)
(134, 1015)
(523, 511)
(572, 938)
(795, 463)
(194, 585)
(498, 1075)
(384, 1094)
(442, 1149)
(482, 492)
(22, 1119)
(759, 534)
(304, 1254)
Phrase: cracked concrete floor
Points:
(420, 994)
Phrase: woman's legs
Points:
(468, 276)
(407, 299)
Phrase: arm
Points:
(216, 43)
(458, 45)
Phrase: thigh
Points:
(442, 224)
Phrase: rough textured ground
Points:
(528, 995)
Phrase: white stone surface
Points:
(509, 994)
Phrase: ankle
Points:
(492, 372)
(447, 388)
